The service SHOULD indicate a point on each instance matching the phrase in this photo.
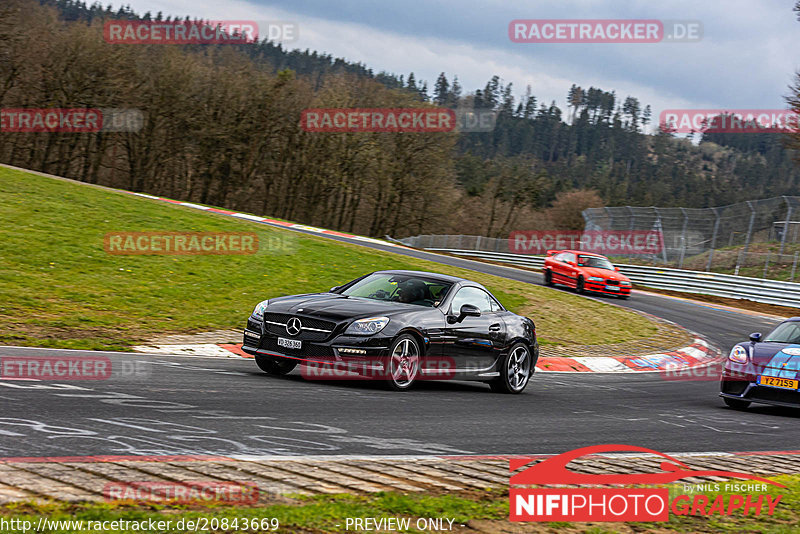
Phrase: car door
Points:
(569, 271)
(474, 342)
(560, 267)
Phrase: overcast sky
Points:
(747, 57)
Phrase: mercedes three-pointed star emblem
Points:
(293, 326)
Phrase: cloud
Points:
(745, 59)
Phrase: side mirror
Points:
(468, 310)
(616, 268)
(333, 289)
(755, 337)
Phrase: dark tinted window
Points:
(407, 289)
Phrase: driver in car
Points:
(410, 291)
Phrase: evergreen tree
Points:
(441, 91)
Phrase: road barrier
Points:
(704, 283)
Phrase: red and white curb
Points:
(267, 220)
(699, 354)
(195, 349)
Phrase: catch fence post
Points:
(794, 266)
(632, 221)
(789, 209)
(683, 237)
(743, 255)
(713, 240)
(766, 266)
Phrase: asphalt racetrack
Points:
(174, 405)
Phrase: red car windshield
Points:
(595, 261)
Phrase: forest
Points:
(221, 127)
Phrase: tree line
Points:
(222, 128)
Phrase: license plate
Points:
(612, 288)
(773, 381)
(289, 343)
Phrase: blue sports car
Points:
(764, 370)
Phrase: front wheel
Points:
(515, 370)
(548, 278)
(736, 404)
(402, 365)
(272, 366)
(580, 287)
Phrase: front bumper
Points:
(740, 382)
(602, 287)
(361, 351)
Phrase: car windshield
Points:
(408, 289)
(785, 333)
(595, 261)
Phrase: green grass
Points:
(59, 288)
(489, 508)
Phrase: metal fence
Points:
(768, 230)
(758, 238)
(721, 285)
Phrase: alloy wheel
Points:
(518, 369)
(404, 363)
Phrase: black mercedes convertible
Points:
(399, 327)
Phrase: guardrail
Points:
(720, 285)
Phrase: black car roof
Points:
(426, 274)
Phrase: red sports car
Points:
(585, 271)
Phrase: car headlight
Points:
(259, 310)
(367, 327)
(738, 354)
(624, 283)
(595, 279)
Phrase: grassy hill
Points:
(60, 288)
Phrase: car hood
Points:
(334, 307)
(604, 273)
(776, 359)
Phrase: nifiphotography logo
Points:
(624, 503)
